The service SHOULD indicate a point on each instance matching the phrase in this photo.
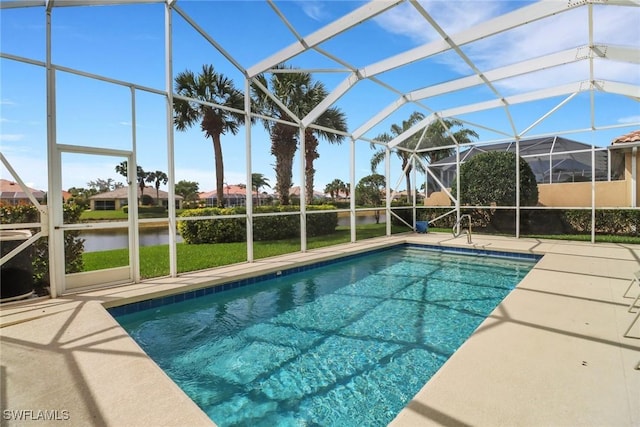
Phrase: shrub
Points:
(212, 230)
(490, 178)
(275, 227)
(73, 244)
(321, 224)
(616, 222)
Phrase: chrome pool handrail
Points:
(457, 227)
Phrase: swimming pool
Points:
(348, 343)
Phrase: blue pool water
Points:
(348, 344)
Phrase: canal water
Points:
(151, 236)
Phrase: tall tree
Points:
(211, 87)
(104, 185)
(299, 94)
(188, 190)
(259, 181)
(369, 191)
(157, 178)
(80, 196)
(435, 136)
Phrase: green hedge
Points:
(625, 222)
(622, 222)
(264, 228)
(73, 244)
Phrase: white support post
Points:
(387, 172)
(634, 177)
(593, 193)
(249, 167)
(458, 195)
(134, 237)
(517, 187)
(303, 195)
(413, 193)
(173, 257)
(352, 188)
(56, 240)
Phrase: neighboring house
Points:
(340, 196)
(294, 193)
(117, 199)
(552, 159)
(563, 171)
(12, 194)
(234, 195)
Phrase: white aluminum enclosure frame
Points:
(417, 98)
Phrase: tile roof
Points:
(229, 190)
(630, 137)
(12, 190)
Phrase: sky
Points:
(126, 43)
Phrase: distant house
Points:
(117, 199)
(234, 195)
(12, 194)
(294, 195)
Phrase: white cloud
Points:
(7, 102)
(11, 137)
(629, 119)
(559, 32)
(452, 16)
(30, 168)
(314, 10)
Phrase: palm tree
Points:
(141, 176)
(300, 95)
(158, 178)
(209, 86)
(332, 118)
(284, 141)
(435, 136)
(335, 187)
(258, 181)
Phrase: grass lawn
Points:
(154, 260)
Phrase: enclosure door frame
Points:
(112, 276)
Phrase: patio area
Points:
(552, 353)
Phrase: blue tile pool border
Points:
(481, 252)
(234, 284)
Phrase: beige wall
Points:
(578, 194)
(438, 198)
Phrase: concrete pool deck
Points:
(552, 353)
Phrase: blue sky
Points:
(125, 42)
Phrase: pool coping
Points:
(103, 377)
